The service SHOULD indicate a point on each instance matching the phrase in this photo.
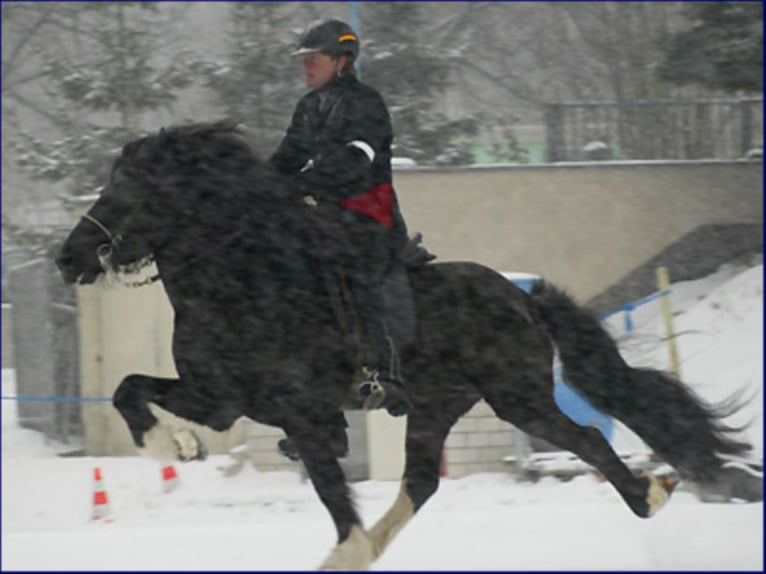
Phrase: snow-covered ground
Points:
(488, 521)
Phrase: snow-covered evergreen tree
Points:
(257, 81)
(399, 61)
(104, 77)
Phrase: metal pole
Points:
(520, 452)
(663, 282)
(356, 26)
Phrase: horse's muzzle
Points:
(65, 265)
(71, 274)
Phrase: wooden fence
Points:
(645, 130)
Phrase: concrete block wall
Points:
(478, 442)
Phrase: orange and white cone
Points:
(100, 499)
(170, 479)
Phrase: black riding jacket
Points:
(338, 147)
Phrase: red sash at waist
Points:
(376, 202)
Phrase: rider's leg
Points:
(366, 267)
(364, 255)
(383, 386)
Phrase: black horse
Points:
(256, 335)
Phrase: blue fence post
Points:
(628, 319)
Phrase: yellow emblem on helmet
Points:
(346, 37)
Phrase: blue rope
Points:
(634, 304)
(59, 399)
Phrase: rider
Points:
(337, 150)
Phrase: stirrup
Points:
(377, 394)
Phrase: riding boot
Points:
(383, 385)
(337, 425)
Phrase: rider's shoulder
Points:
(369, 93)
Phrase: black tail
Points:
(682, 429)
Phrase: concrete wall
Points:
(582, 227)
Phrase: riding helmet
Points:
(332, 37)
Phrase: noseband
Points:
(104, 252)
(100, 225)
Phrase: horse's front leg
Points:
(155, 440)
(354, 550)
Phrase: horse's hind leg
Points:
(132, 399)
(643, 493)
(426, 433)
(539, 415)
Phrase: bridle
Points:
(104, 253)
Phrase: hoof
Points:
(354, 553)
(659, 491)
(190, 447)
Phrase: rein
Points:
(104, 253)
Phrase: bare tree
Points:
(527, 54)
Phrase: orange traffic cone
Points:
(170, 479)
(100, 499)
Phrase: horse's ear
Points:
(163, 132)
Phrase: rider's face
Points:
(319, 68)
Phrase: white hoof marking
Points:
(162, 444)
(188, 444)
(656, 496)
(355, 553)
(392, 522)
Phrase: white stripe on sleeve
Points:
(365, 147)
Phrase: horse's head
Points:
(98, 242)
(157, 183)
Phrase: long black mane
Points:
(212, 197)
